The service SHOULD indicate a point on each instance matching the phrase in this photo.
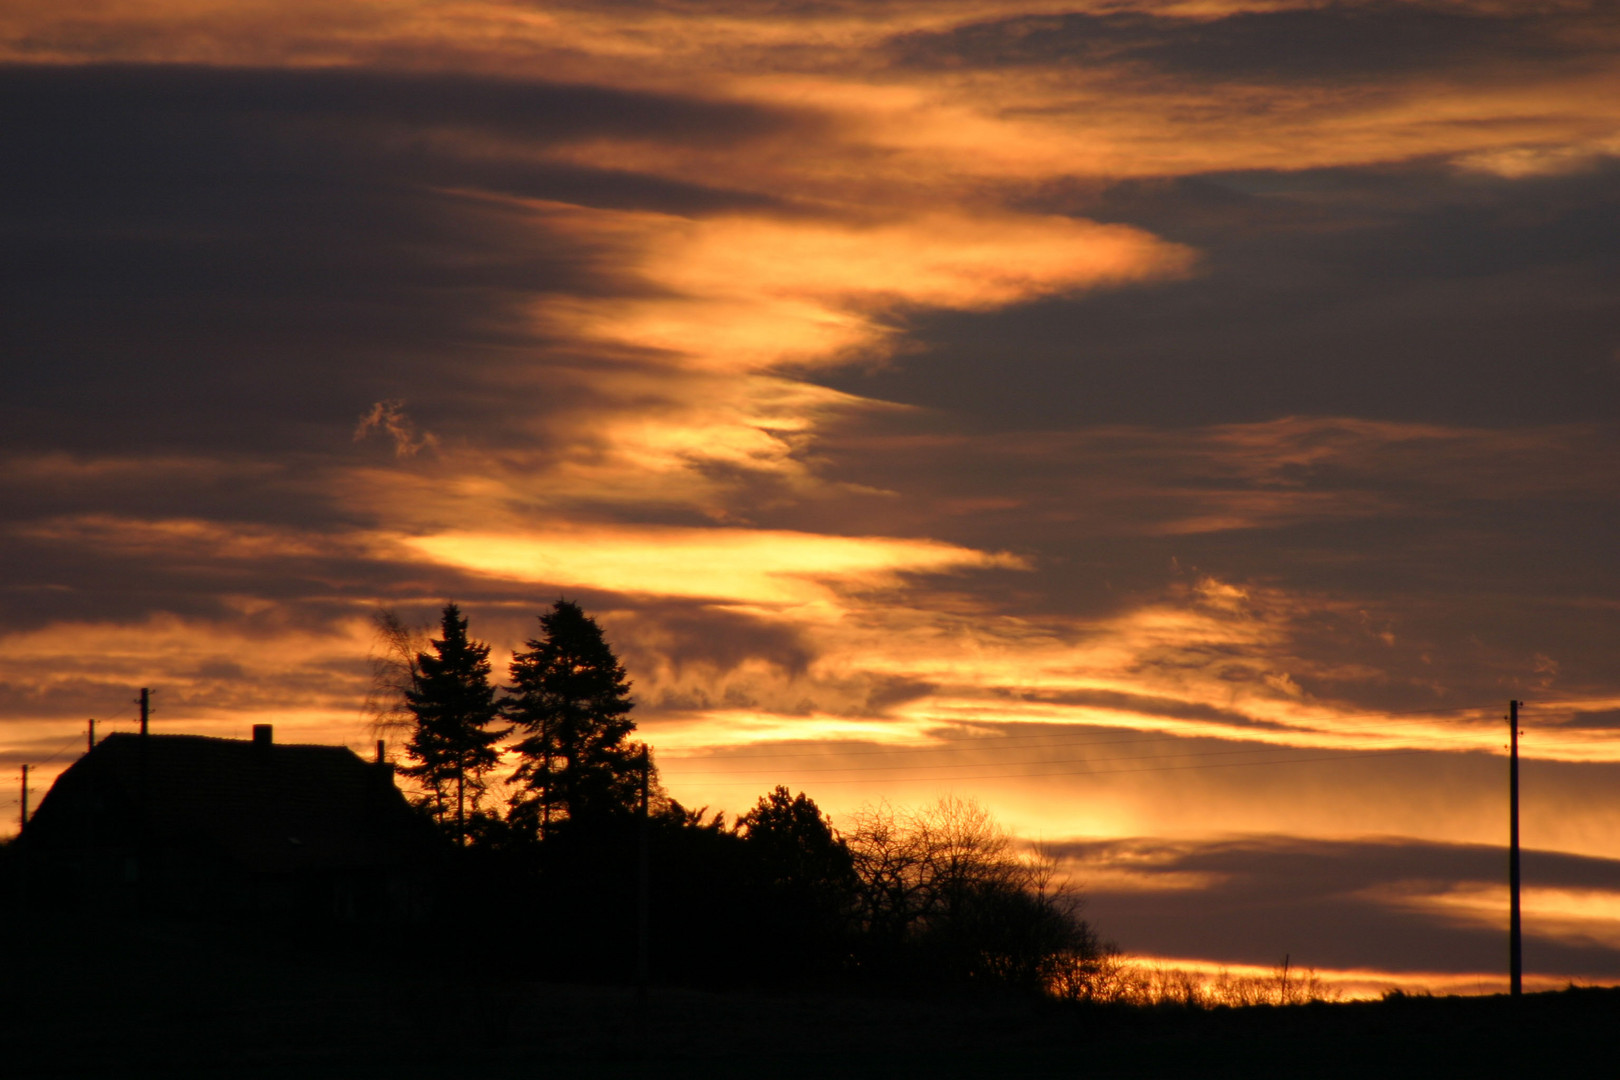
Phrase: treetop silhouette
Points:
(570, 696)
(796, 843)
(453, 744)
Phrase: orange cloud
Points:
(914, 128)
(744, 293)
(746, 566)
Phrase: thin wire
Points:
(1054, 740)
(1039, 761)
(1097, 772)
(60, 751)
(1057, 743)
(1058, 740)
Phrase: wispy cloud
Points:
(388, 419)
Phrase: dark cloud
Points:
(1466, 328)
(1333, 42)
(50, 581)
(678, 635)
(1602, 720)
(1424, 294)
(212, 274)
(1146, 705)
(1335, 904)
(1387, 558)
(402, 103)
(241, 260)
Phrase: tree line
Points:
(937, 896)
(568, 704)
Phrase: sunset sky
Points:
(1181, 425)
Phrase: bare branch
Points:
(394, 671)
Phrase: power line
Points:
(71, 742)
(1098, 772)
(1037, 761)
(1057, 743)
(1059, 740)
(1056, 740)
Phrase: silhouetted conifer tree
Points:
(454, 705)
(570, 695)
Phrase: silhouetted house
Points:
(197, 825)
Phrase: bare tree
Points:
(394, 674)
(946, 891)
(1112, 978)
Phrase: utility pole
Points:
(22, 822)
(90, 739)
(545, 797)
(642, 874)
(1515, 938)
(143, 834)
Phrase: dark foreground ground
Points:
(95, 998)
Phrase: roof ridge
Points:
(124, 736)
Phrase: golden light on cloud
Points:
(1038, 118)
(1531, 160)
(747, 293)
(182, 537)
(1572, 915)
(749, 566)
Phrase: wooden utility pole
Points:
(144, 826)
(545, 796)
(642, 875)
(22, 818)
(90, 738)
(1515, 939)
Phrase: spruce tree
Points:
(570, 696)
(454, 707)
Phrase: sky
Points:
(1180, 425)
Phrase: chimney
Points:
(262, 734)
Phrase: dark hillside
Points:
(95, 997)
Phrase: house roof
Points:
(265, 807)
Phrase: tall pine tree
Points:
(454, 706)
(570, 696)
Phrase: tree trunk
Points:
(461, 804)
